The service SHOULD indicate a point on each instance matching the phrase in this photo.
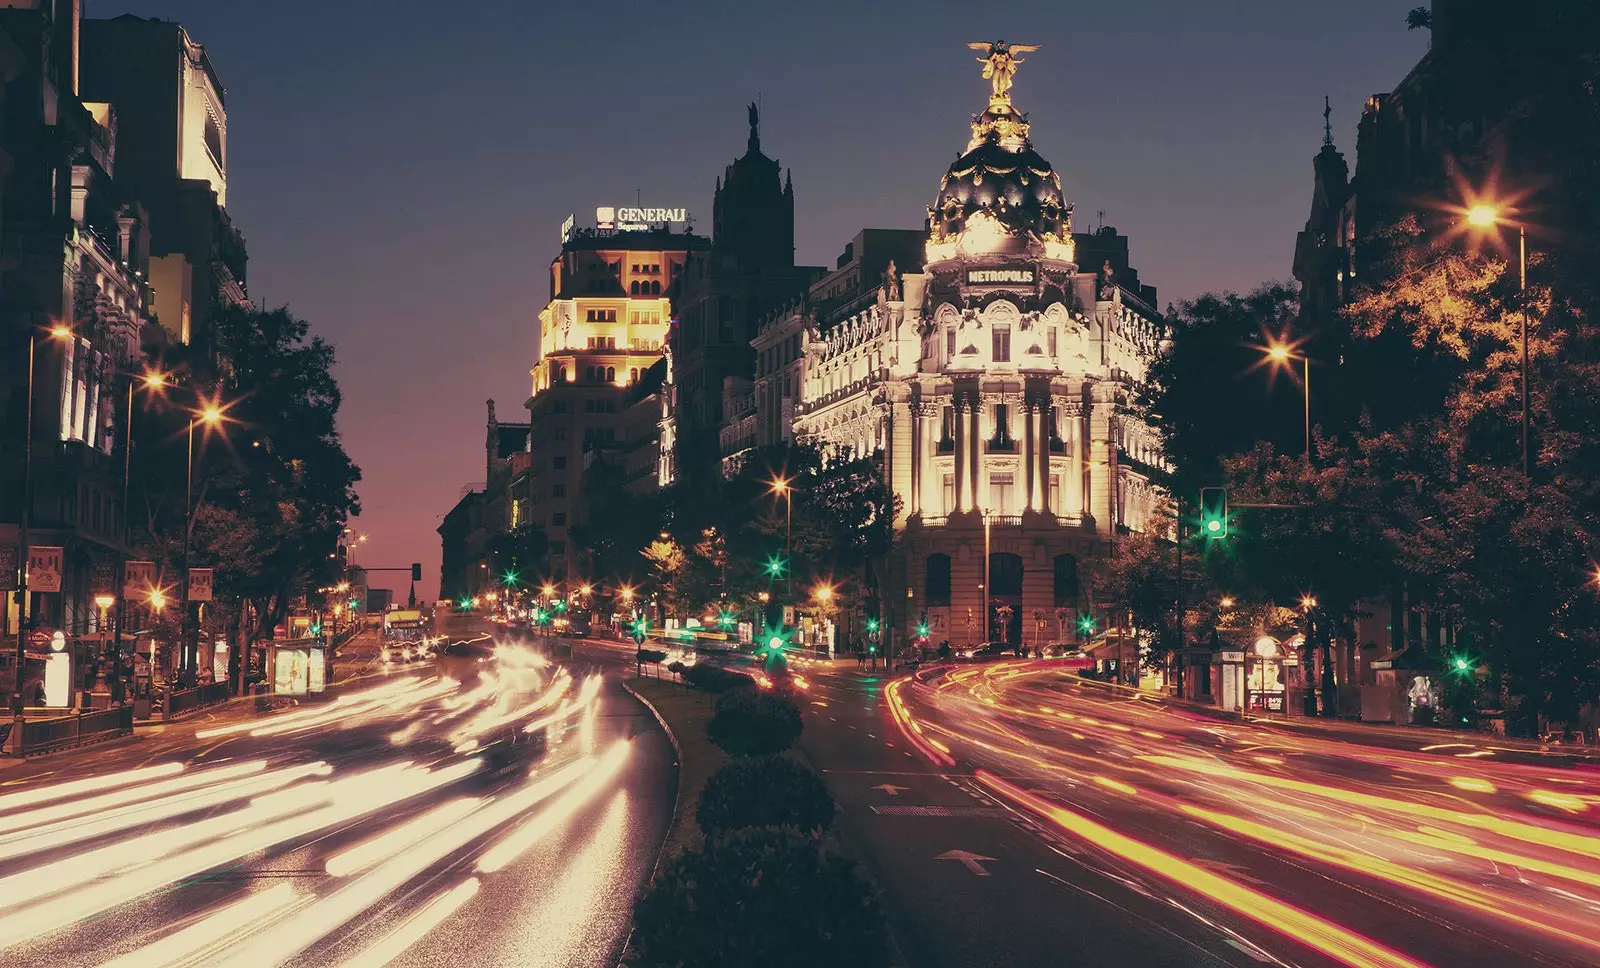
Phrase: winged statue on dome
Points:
(1000, 62)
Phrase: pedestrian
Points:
(861, 656)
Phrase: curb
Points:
(677, 804)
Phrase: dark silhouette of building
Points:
(724, 294)
(462, 539)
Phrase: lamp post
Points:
(57, 332)
(782, 488)
(153, 380)
(210, 415)
(1282, 353)
(1485, 217)
(101, 687)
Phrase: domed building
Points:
(988, 385)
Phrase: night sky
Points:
(400, 169)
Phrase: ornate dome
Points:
(1006, 178)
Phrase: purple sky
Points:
(401, 169)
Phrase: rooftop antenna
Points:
(1101, 215)
(1327, 122)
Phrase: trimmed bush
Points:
(651, 656)
(768, 896)
(676, 668)
(750, 723)
(764, 791)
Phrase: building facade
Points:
(746, 274)
(989, 386)
(74, 265)
(603, 330)
(172, 155)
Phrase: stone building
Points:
(602, 331)
(990, 387)
(74, 270)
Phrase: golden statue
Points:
(1000, 64)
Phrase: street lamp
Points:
(58, 332)
(210, 415)
(1281, 354)
(155, 381)
(823, 593)
(1484, 217)
(782, 488)
(104, 602)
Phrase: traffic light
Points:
(1214, 512)
(775, 566)
(1086, 626)
(922, 630)
(640, 627)
(316, 630)
(511, 578)
(872, 626)
(725, 620)
(416, 571)
(1461, 665)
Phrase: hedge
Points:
(750, 723)
(764, 791)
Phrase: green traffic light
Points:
(872, 625)
(775, 566)
(1463, 664)
(922, 630)
(511, 577)
(1086, 624)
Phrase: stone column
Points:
(1077, 499)
(917, 446)
(974, 449)
(1044, 457)
(1029, 464)
(958, 410)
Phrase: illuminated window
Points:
(1000, 490)
(611, 374)
(1002, 344)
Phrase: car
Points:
(465, 662)
(988, 652)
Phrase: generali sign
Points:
(613, 216)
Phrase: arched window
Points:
(633, 375)
(937, 583)
(611, 374)
(655, 287)
(588, 374)
(633, 287)
(1066, 581)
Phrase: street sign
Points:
(44, 569)
(138, 578)
(973, 862)
(199, 584)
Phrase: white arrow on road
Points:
(968, 858)
(890, 789)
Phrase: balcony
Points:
(1000, 446)
(946, 447)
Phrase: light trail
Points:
(140, 814)
(72, 788)
(187, 781)
(1315, 933)
(241, 916)
(535, 829)
(385, 845)
(416, 927)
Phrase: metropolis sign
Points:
(612, 216)
(1001, 276)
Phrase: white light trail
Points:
(142, 814)
(188, 781)
(225, 922)
(108, 781)
(391, 842)
(536, 828)
(413, 930)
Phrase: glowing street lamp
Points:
(1281, 354)
(1483, 217)
(1226, 602)
(823, 593)
(157, 599)
(782, 488)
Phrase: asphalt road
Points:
(1016, 815)
(396, 826)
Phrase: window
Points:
(611, 374)
(655, 287)
(1005, 574)
(588, 406)
(633, 288)
(1002, 344)
(633, 374)
(950, 343)
(560, 433)
(588, 374)
(936, 585)
(1000, 490)
(559, 463)
(560, 407)
(947, 424)
(213, 136)
(559, 518)
(1002, 424)
(949, 493)
(1066, 581)
(558, 490)
(1052, 342)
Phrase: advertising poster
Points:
(199, 584)
(290, 672)
(8, 567)
(317, 673)
(219, 661)
(44, 569)
(137, 580)
(58, 671)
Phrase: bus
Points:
(403, 636)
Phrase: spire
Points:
(788, 181)
(1327, 122)
(754, 144)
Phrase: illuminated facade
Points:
(988, 386)
(604, 327)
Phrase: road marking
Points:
(967, 857)
(1227, 869)
(891, 789)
